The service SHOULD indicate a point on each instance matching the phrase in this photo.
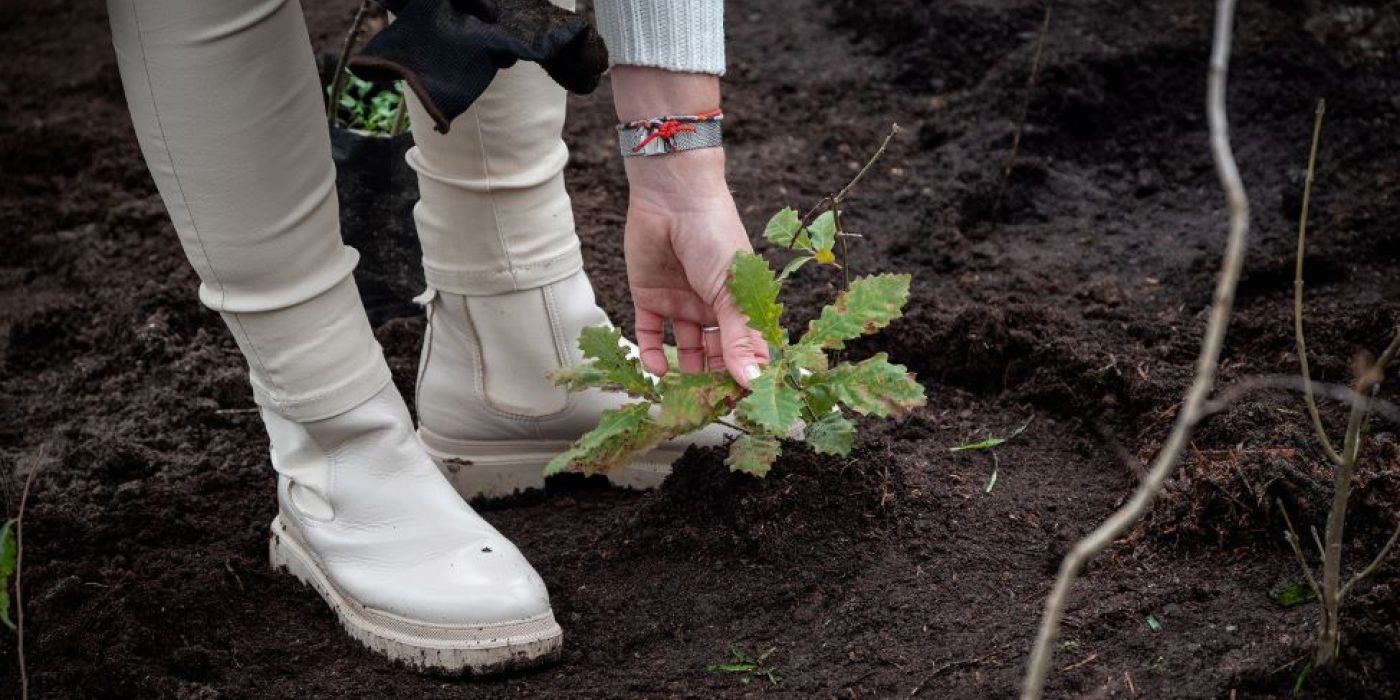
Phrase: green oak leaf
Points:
(603, 345)
(691, 401)
(755, 292)
(832, 435)
(771, 404)
(753, 454)
(622, 434)
(823, 231)
(785, 229)
(9, 552)
(869, 305)
(793, 266)
(870, 387)
(584, 375)
(808, 357)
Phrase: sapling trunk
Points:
(1331, 592)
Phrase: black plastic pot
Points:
(377, 192)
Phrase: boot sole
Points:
(497, 468)
(452, 650)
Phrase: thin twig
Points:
(945, 668)
(338, 80)
(1298, 336)
(1039, 665)
(1025, 111)
(834, 200)
(1375, 564)
(1082, 662)
(19, 579)
(1292, 537)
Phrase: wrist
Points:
(686, 175)
(641, 92)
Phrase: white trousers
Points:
(230, 116)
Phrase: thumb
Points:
(737, 340)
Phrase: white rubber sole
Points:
(492, 469)
(434, 648)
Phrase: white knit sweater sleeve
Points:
(680, 35)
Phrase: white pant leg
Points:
(229, 113)
(493, 215)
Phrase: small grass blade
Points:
(992, 442)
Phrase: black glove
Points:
(448, 51)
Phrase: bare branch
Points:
(1298, 335)
(834, 200)
(1206, 364)
(19, 576)
(1292, 537)
(1025, 111)
(1375, 564)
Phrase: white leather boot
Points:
(413, 572)
(487, 411)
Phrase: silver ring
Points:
(710, 329)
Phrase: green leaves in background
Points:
(370, 107)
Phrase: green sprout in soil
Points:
(746, 666)
(991, 443)
(803, 394)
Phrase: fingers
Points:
(690, 346)
(738, 342)
(714, 349)
(760, 346)
(649, 327)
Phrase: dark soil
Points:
(1076, 297)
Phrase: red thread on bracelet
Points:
(665, 131)
(667, 128)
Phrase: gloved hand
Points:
(448, 51)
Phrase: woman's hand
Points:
(682, 233)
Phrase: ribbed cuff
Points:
(686, 36)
